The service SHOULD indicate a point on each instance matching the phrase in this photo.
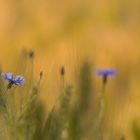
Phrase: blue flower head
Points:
(105, 73)
(17, 80)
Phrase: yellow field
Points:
(64, 32)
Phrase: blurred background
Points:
(65, 32)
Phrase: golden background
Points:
(63, 32)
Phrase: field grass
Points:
(68, 41)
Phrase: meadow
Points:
(58, 47)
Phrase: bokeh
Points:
(69, 32)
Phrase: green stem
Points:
(98, 131)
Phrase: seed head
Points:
(62, 71)
(41, 73)
(31, 54)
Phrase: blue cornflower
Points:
(17, 80)
(105, 73)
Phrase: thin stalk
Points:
(98, 131)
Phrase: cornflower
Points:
(13, 80)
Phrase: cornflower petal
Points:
(106, 72)
(8, 76)
(18, 80)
